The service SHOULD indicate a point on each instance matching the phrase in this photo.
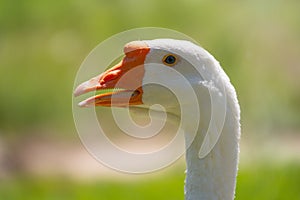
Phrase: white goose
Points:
(209, 177)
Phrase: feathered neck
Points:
(214, 176)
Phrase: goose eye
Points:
(169, 60)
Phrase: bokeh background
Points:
(42, 44)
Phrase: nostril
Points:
(110, 76)
(135, 93)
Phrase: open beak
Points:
(122, 84)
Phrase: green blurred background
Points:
(42, 44)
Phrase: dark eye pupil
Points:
(170, 59)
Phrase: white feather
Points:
(213, 175)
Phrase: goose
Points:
(212, 152)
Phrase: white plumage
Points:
(212, 156)
(214, 176)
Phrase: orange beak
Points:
(126, 78)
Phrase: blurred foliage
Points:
(42, 44)
(260, 185)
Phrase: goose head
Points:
(152, 72)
